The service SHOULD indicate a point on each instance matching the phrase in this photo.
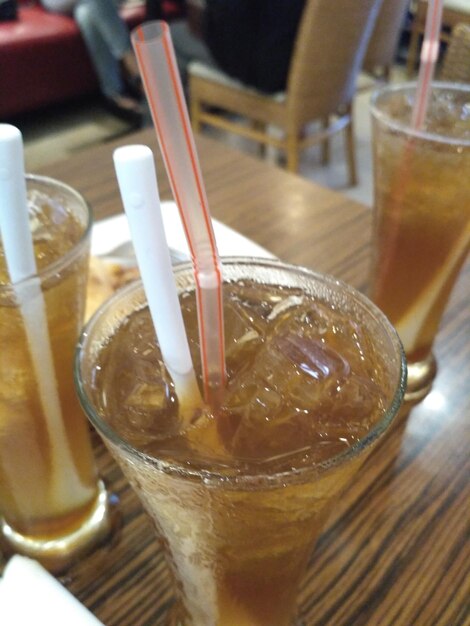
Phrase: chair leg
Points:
(292, 152)
(195, 114)
(261, 127)
(350, 153)
(325, 144)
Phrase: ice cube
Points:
(308, 318)
(448, 114)
(143, 407)
(300, 390)
(273, 401)
(258, 439)
(355, 407)
(312, 356)
(253, 304)
(146, 411)
(285, 305)
(245, 329)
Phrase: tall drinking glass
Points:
(53, 507)
(316, 375)
(422, 215)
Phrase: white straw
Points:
(66, 487)
(135, 171)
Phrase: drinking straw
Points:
(157, 64)
(135, 171)
(428, 58)
(65, 484)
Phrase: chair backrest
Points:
(456, 63)
(330, 45)
(384, 40)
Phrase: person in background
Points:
(107, 39)
(250, 40)
(164, 9)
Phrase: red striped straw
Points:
(157, 63)
(429, 54)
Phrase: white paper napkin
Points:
(30, 596)
(111, 238)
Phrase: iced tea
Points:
(422, 204)
(48, 484)
(240, 495)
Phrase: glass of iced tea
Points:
(53, 507)
(422, 215)
(239, 495)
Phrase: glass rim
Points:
(73, 253)
(231, 477)
(406, 129)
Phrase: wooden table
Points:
(395, 550)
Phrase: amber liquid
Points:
(422, 231)
(236, 516)
(28, 501)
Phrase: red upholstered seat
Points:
(36, 26)
(43, 59)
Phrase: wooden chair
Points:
(456, 63)
(328, 54)
(382, 48)
(454, 12)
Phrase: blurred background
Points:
(50, 90)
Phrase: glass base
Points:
(420, 379)
(58, 554)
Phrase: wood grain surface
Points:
(396, 550)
